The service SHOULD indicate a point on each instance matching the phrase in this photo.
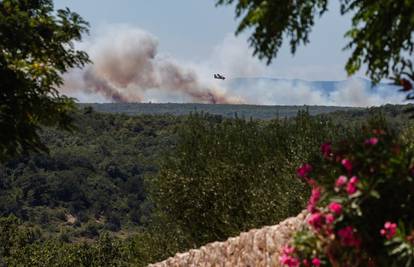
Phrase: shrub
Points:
(361, 207)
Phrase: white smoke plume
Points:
(126, 65)
(234, 58)
(353, 92)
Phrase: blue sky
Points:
(190, 30)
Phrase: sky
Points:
(167, 51)
(190, 30)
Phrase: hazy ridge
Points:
(226, 110)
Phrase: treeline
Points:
(147, 187)
(225, 110)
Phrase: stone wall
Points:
(258, 247)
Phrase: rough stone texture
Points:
(258, 247)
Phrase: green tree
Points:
(230, 175)
(380, 35)
(36, 48)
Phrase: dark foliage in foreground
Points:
(36, 47)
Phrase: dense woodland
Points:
(128, 190)
(93, 177)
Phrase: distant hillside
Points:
(246, 111)
(327, 87)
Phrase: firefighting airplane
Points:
(219, 77)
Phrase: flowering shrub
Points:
(361, 207)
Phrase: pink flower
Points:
(341, 181)
(316, 262)
(389, 230)
(335, 207)
(329, 218)
(304, 170)
(306, 263)
(288, 250)
(347, 164)
(372, 141)
(316, 220)
(351, 187)
(354, 180)
(348, 237)
(326, 149)
(313, 200)
(287, 259)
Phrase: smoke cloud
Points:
(126, 65)
(353, 92)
